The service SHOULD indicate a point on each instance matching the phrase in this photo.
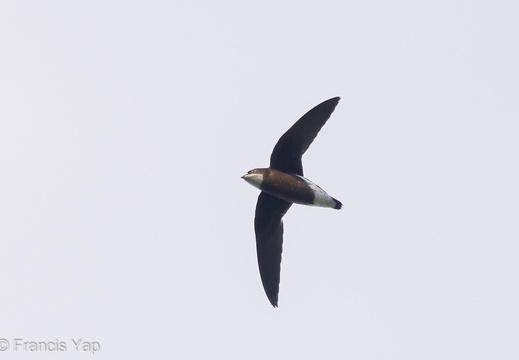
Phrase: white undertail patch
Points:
(321, 197)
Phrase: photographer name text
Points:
(76, 345)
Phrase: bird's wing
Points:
(269, 241)
(289, 149)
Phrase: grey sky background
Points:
(125, 128)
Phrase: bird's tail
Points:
(338, 204)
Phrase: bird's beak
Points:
(243, 177)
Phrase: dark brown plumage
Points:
(283, 184)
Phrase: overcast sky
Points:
(125, 127)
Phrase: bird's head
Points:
(254, 177)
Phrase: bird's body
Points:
(283, 184)
(290, 187)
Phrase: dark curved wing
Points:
(269, 241)
(289, 149)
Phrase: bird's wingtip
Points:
(334, 101)
(273, 301)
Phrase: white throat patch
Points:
(254, 179)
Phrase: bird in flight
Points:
(283, 184)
